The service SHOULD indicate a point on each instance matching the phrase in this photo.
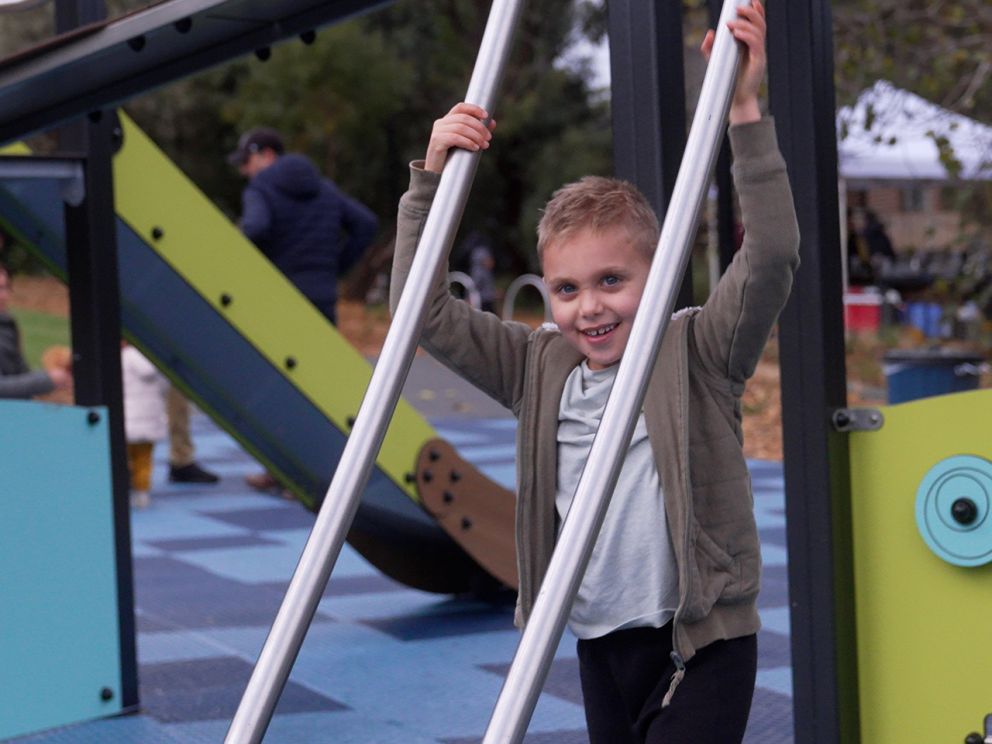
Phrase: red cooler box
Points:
(862, 309)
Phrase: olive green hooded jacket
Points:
(692, 406)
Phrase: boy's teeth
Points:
(601, 331)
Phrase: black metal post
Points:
(821, 586)
(94, 298)
(648, 101)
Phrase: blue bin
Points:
(925, 316)
(922, 373)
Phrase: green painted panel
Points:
(156, 199)
(59, 632)
(924, 626)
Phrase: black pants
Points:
(626, 674)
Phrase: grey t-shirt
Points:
(631, 580)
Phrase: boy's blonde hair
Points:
(598, 203)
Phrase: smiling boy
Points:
(666, 612)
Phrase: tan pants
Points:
(139, 463)
(180, 443)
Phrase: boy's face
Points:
(595, 280)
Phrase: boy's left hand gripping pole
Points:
(341, 502)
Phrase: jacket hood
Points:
(293, 175)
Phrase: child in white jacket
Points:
(145, 420)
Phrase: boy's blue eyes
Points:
(610, 280)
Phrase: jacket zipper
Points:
(677, 656)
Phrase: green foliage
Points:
(16, 257)
(39, 331)
(339, 101)
(941, 51)
(361, 99)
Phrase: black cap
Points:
(256, 140)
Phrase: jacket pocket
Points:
(712, 570)
(747, 581)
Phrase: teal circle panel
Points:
(954, 510)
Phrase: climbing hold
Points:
(954, 510)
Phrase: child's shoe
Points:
(140, 499)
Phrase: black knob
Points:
(290, 362)
(263, 53)
(448, 497)
(183, 25)
(428, 476)
(308, 37)
(841, 419)
(434, 455)
(226, 299)
(974, 738)
(466, 523)
(106, 694)
(93, 418)
(157, 233)
(964, 511)
(137, 43)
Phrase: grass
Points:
(39, 331)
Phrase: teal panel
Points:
(59, 634)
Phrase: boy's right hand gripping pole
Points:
(535, 653)
(351, 476)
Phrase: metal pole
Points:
(95, 320)
(352, 474)
(822, 613)
(647, 101)
(578, 535)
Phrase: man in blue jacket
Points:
(304, 224)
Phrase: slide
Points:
(224, 324)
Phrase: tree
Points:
(361, 100)
(939, 50)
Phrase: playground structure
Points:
(837, 699)
(222, 336)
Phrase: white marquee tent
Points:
(900, 143)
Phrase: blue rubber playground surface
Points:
(381, 663)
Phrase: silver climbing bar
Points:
(535, 653)
(343, 495)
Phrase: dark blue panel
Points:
(452, 619)
(210, 690)
(774, 650)
(562, 682)
(170, 591)
(550, 737)
(264, 519)
(774, 587)
(210, 543)
(771, 719)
